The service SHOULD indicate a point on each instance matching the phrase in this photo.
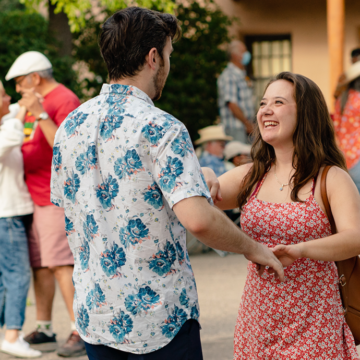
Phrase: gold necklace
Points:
(282, 185)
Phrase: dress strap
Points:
(314, 184)
(258, 186)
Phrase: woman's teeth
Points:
(270, 123)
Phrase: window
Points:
(271, 54)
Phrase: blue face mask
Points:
(246, 58)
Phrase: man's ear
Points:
(36, 79)
(151, 58)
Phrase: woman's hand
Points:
(287, 254)
(212, 183)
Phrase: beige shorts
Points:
(48, 245)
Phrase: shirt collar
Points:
(232, 67)
(125, 90)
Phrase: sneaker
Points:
(19, 348)
(74, 346)
(41, 341)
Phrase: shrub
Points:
(22, 31)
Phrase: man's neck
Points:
(238, 64)
(47, 86)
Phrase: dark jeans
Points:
(185, 346)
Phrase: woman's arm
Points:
(230, 183)
(11, 133)
(344, 201)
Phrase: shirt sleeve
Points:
(11, 135)
(176, 169)
(65, 109)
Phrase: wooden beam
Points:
(335, 27)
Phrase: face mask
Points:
(246, 58)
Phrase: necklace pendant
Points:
(281, 188)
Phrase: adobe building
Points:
(310, 37)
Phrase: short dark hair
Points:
(355, 52)
(128, 36)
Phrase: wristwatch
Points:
(43, 116)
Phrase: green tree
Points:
(190, 93)
(22, 31)
(77, 10)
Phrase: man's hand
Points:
(212, 183)
(288, 254)
(32, 101)
(262, 256)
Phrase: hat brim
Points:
(218, 138)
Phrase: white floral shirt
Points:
(120, 164)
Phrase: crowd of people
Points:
(98, 197)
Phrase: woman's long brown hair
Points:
(314, 140)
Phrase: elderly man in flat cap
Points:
(48, 103)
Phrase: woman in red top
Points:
(347, 122)
(302, 317)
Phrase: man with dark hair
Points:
(128, 178)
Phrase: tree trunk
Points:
(58, 23)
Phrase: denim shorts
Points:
(14, 271)
(186, 345)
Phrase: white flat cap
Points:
(27, 63)
(234, 148)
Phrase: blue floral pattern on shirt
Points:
(119, 167)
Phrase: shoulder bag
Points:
(348, 271)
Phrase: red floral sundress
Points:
(301, 318)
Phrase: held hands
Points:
(262, 256)
(212, 183)
(287, 254)
(32, 101)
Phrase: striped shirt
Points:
(233, 87)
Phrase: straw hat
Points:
(352, 73)
(212, 133)
(234, 148)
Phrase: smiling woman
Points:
(282, 208)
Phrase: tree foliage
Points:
(76, 10)
(22, 31)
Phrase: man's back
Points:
(127, 164)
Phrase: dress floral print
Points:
(119, 166)
(301, 318)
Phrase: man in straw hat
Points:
(213, 140)
(47, 103)
(130, 184)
